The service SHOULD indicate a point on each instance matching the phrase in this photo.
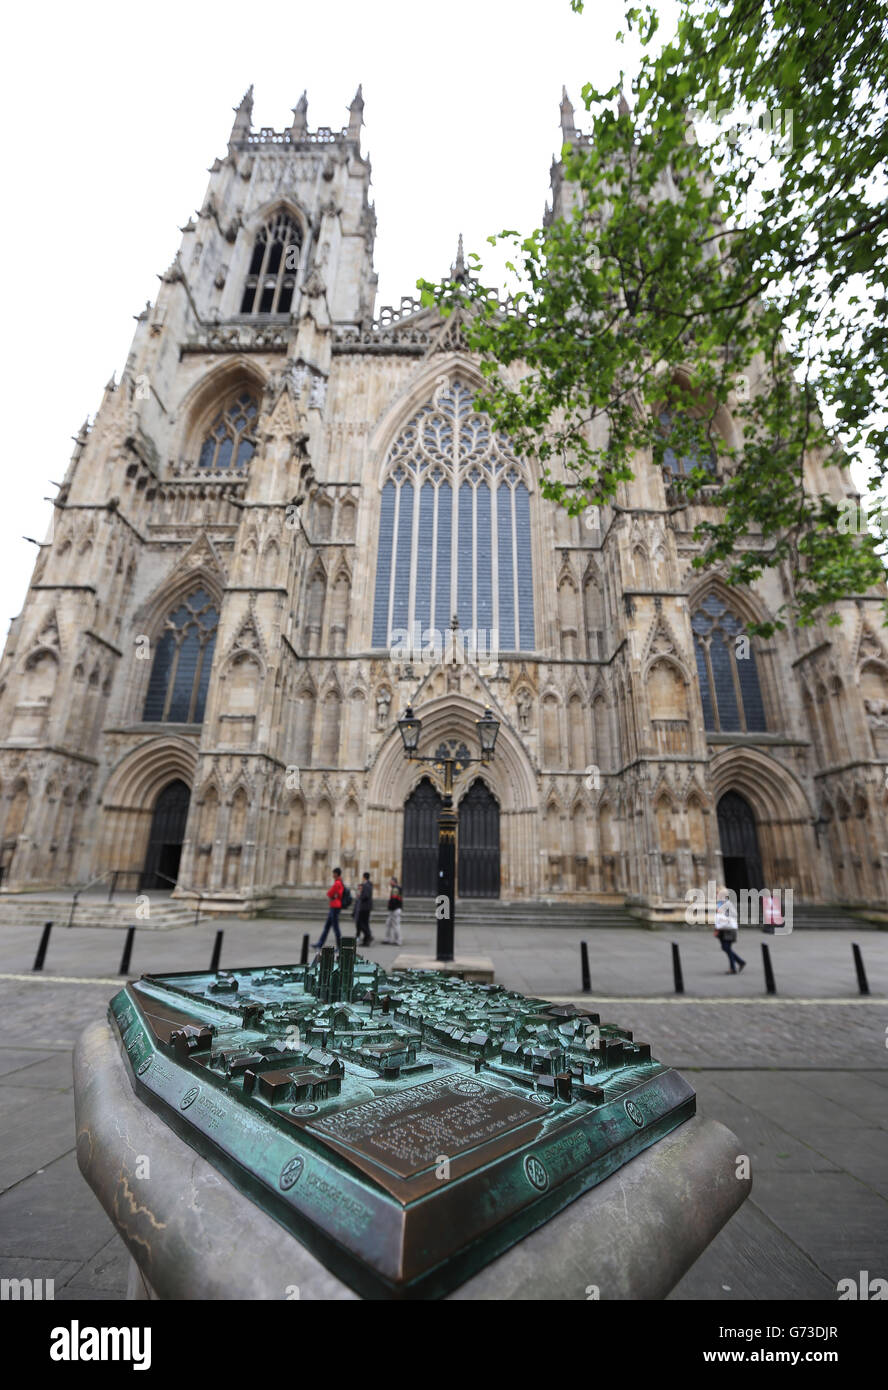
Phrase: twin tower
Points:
(202, 689)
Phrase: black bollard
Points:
(303, 959)
(217, 951)
(769, 969)
(127, 951)
(676, 969)
(41, 949)
(862, 982)
(584, 967)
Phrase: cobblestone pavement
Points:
(802, 1081)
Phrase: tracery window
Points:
(729, 682)
(698, 453)
(231, 439)
(180, 676)
(271, 279)
(454, 533)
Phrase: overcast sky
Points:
(115, 112)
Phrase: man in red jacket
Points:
(335, 895)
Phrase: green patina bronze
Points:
(406, 1127)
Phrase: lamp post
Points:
(411, 728)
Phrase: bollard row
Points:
(126, 957)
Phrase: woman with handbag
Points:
(726, 929)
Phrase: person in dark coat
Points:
(363, 908)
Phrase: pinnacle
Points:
(458, 269)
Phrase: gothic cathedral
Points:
(279, 501)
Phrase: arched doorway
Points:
(478, 844)
(165, 840)
(741, 857)
(419, 864)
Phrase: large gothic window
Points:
(180, 676)
(454, 533)
(231, 439)
(729, 683)
(272, 276)
(683, 454)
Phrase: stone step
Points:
(35, 911)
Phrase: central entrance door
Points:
(420, 858)
(165, 840)
(739, 843)
(478, 844)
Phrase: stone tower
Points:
(203, 685)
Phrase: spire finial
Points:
(356, 115)
(622, 104)
(243, 118)
(568, 127)
(299, 127)
(458, 269)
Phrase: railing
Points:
(115, 875)
(187, 889)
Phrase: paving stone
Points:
(51, 1072)
(107, 1272)
(769, 1145)
(861, 1152)
(839, 1223)
(53, 1215)
(17, 1059)
(857, 1091)
(751, 1259)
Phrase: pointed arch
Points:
(220, 387)
(182, 660)
(275, 260)
(454, 523)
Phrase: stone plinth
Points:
(194, 1236)
(478, 968)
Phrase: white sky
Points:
(116, 110)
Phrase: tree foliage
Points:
(687, 272)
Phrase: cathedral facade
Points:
(287, 522)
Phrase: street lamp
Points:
(411, 728)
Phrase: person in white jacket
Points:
(726, 929)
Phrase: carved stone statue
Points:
(523, 710)
(383, 701)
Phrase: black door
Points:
(478, 843)
(165, 841)
(420, 859)
(739, 843)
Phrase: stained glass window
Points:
(183, 657)
(275, 261)
(454, 531)
(699, 454)
(231, 439)
(726, 667)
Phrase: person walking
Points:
(726, 930)
(363, 908)
(393, 920)
(335, 895)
